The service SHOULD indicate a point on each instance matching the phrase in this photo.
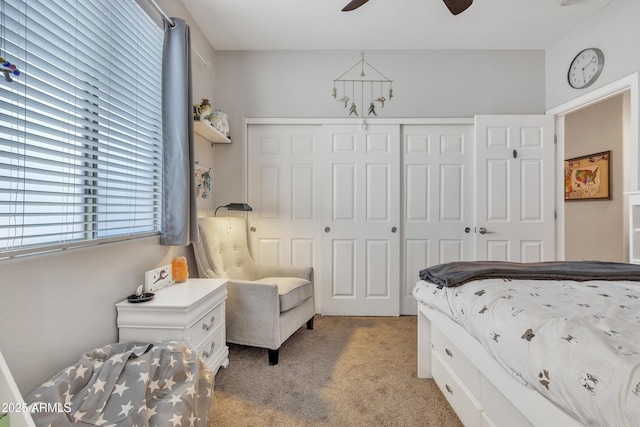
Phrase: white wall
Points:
(56, 306)
(433, 83)
(615, 30)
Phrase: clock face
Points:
(585, 68)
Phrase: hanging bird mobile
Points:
(356, 84)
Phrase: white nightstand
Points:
(193, 311)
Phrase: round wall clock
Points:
(585, 68)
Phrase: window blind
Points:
(81, 126)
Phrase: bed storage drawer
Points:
(498, 408)
(461, 400)
(459, 364)
(486, 421)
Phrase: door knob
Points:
(327, 229)
(394, 229)
(483, 230)
(253, 229)
(467, 229)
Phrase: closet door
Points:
(515, 188)
(361, 220)
(438, 200)
(283, 169)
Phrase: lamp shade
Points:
(239, 207)
(244, 207)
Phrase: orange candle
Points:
(179, 269)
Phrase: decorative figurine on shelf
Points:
(179, 269)
(205, 108)
(352, 110)
(372, 109)
(220, 121)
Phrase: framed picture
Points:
(157, 278)
(588, 177)
(204, 181)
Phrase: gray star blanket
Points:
(128, 384)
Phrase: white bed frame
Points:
(481, 392)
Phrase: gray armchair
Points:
(265, 304)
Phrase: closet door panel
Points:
(438, 200)
(343, 275)
(531, 193)
(515, 192)
(497, 190)
(417, 192)
(303, 194)
(303, 252)
(269, 196)
(362, 221)
(284, 189)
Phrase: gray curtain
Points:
(179, 215)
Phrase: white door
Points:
(361, 205)
(284, 163)
(438, 200)
(515, 194)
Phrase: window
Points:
(81, 126)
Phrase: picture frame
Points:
(204, 181)
(588, 177)
(158, 278)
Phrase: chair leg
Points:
(273, 356)
(310, 323)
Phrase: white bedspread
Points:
(577, 343)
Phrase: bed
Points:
(543, 344)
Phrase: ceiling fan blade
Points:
(458, 6)
(354, 4)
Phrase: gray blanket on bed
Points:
(457, 273)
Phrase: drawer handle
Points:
(449, 353)
(210, 325)
(448, 388)
(206, 354)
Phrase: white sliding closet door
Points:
(438, 200)
(361, 213)
(515, 188)
(284, 185)
(369, 207)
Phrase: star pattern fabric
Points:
(129, 384)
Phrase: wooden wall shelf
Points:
(203, 128)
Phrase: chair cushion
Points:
(292, 291)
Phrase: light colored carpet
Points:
(347, 371)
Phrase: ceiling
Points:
(387, 24)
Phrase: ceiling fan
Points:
(455, 6)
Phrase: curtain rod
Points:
(166, 17)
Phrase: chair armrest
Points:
(253, 314)
(285, 271)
